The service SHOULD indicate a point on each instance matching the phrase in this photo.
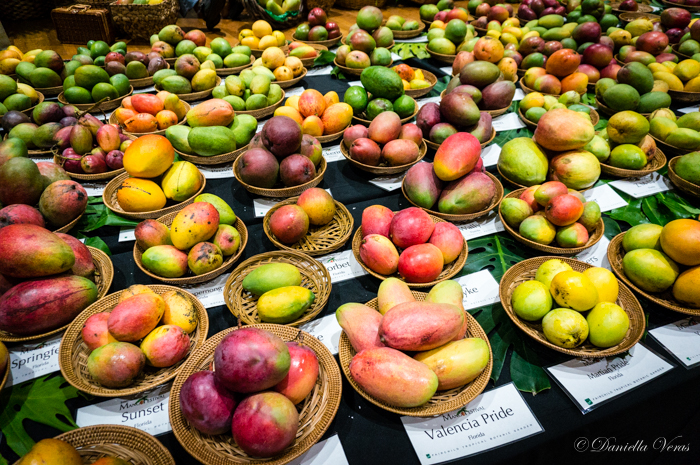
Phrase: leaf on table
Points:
(631, 213)
(505, 136)
(105, 218)
(525, 369)
(324, 58)
(497, 253)
(588, 98)
(656, 211)
(419, 50)
(612, 229)
(42, 400)
(92, 200)
(602, 124)
(337, 73)
(98, 243)
(677, 205)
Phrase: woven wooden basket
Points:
(291, 82)
(383, 170)
(442, 401)
(69, 226)
(354, 71)
(320, 240)
(113, 120)
(667, 148)
(641, 8)
(615, 255)
(309, 62)
(236, 70)
(332, 137)
(525, 271)
(314, 276)
(448, 271)
(686, 186)
(59, 160)
(593, 238)
(144, 82)
(49, 91)
(679, 96)
(326, 43)
(104, 274)
(452, 218)
(407, 34)
(263, 112)
(282, 192)
(607, 111)
(140, 21)
(190, 278)
(213, 160)
(360, 119)
(109, 197)
(416, 93)
(195, 96)
(655, 164)
(316, 412)
(40, 99)
(531, 125)
(73, 353)
(435, 146)
(630, 16)
(692, 9)
(104, 106)
(449, 59)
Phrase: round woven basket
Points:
(354, 71)
(525, 271)
(630, 16)
(69, 226)
(595, 118)
(104, 106)
(236, 70)
(49, 91)
(144, 82)
(383, 170)
(190, 278)
(593, 238)
(361, 118)
(448, 271)
(194, 96)
(416, 93)
(407, 34)
(686, 186)
(309, 62)
(692, 9)
(670, 148)
(436, 146)
(109, 197)
(641, 8)
(607, 111)
(495, 201)
(291, 82)
(104, 274)
(528, 90)
(332, 137)
(655, 164)
(73, 353)
(449, 59)
(113, 120)
(40, 99)
(213, 160)
(679, 96)
(257, 53)
(314, 276)
(615, 255)
(282, 192)
(442, 401)
(263, 112)
(679, 54)
(320, 240)
(316, 412)
(326, 43)
(58, 159)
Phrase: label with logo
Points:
(342, 266)
(490, 155)
(488, 224)
(325, 452)
(217, 172)
(495, 418)
(148, 413)
(126, 234)
(643, 187)
(507, 122)
(423, 101)
(33, 359)
(264, 205)
(597, 255)
(322, 71)
(332, 154)
(479, 289)
(389, 183)
(94, 189)
(293, 91)
(606, 198)
(327, 330)
(590, 382)
(210, 293)
(681, 339)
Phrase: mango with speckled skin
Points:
(392, 292)
(420, 325)
(165, 260)
(116, 364)
(135, 317)
(165, 346)
(204, 257)
(228, 239)
(361, 325)
(458, 362)
(195, 223)
(179, 311)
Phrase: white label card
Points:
(447, 70)
(217, 172)
(145, 90)
(606, 198)
(507, 122)
(396, 57)
(355, 83)
(342, 266)
(325, 452)
(260, 126)
(33, 359)
(495, 418)
(148, 413)
(388, 183)
(689, 109)
(94, 188)
(332, 154)
(322, 71)
(479, 289)
(42, 159)
(590, 382)
(423, 101)
(597, 255)
(489, 224)
(263, 205)
(126, 234)
(681, 339)
(643, 187)
(327, 330)
(490, 155)
(293, 91)
(519, 95)
(210, 293)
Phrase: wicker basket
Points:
(69, 226)
(282, 192)
(320, 240)
(383, 170)
(316, 412)
(314, 276)
(435, 146)
(692, 9)
(189, 278)
(615, 255)
(144, 82)
(630, 16)
(607, 111)
(455, 218)
(416, 93)
(525, 271)
(40, 98)
(214, 160)
(77, 24)
(595, 118)
(670, 148)
(237, 70)
(679, 96)
(359, 4)
(686, 186)
(593, 238)
(140, 21)
(407, 34)
(104, 273)
(73, 353)
(109, 197)
(653, 165)
(332, 137)
(442, 401)
(285, 21)
(291, 82)
(195, 96)
(49, 91)
(449, 59)
(18, 10)
(264, 112)
(448, 271)
(641, 8)
(94, 108)
(161, 132)
(354, 71)
(361, 118)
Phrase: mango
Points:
(134, 289)
(52, 452)
(469, 194)
(607, 324)
(271, 276)
(165, 346)
(95, 333)
(458, 362)
(210, 141)
(20, 181)
(361, 325)
(680, 240)
(577, 169)
(227, 239)
(392, 292)
(177, 135)
(605, 283)
(523, 162)
(116, 364)
(574, 290)
(422, 185)
(181, 181)
(590, 216)
(135, 317)
(284, 304)
(195, 223)
(204, 257)
(565, 328)
(538, 229)
(179, 311)
(549, 269)
(642, 236)
(393, 377)
(531, 300)
(214, 112)
(29, 251)
(515, 211)
(686, 289)
(150, 233)
(449, 292)
(165, 260)
(563, 129)
(62, 202)
(420, 325)
(84, 266)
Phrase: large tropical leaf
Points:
(496, 253)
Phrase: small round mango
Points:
(565, 328)
(531, 300)
(165, 346)
(607, 324)
(574, 290)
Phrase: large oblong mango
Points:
(457, 362)
(271, 276)
(195, 223)
(140, 195)
(214, 112)
(284, 304)
(420, 325)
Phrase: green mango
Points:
(212, 140)
(284, 304)
(226, 214)
(271, 276)
(177, 135)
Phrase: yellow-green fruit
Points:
(572, 289)
(52, 452)
(686, 289)
(226, 214)
(649, 269)
(605, 283)
(393, 291)
(140, 195)
(284, 304)
(179, 311)
(181, 181)
(271, 276)
(531, 300)
(549, 269)
(607, 324)
(447, 292)
(565, 328)
(642, 236)
(457, 362)
(134, 289)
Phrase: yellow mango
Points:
(181, 181)
(140, 195)
(195, 223)
(693, 85)
(672, 80)
(457, 362)
(687, 70)
(285, 304)
(336, 118)
(134, 289)
(179, 311)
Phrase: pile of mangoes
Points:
(627, 134)
(135, 65)
(13, 56)
(186, 76)
(436, 124)
(367, 41)
(444, 11)
(16, 96)
(47, 69)
(317, 28)
(559, 75)
(535, 105)
(480, 75)
(385, 142)
(261, 36)
(253, 89)
(281, 296)
(593, 10)
(683, 132)
(412, 78)
(448, 39)
(659, 257)
(301, 50)
(277, 66)
(90, 83)
(636, 89)
(290, 223)
(49, 448)
(386, 89)
(199, 238)
(594, 291)
(399, 23)
(493, 17)
(264, 421)
(317, 114)
(143, 113)
(408, 349)
(144, 328)
(684, 76)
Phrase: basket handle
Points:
(78, 8)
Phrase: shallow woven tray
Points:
(529, 90)
(332, 137)
(90, 177)
(309, 62)
(195, 96)
(680, 96)
(442, 401)
(361, 118)
(50, 91)
(104, 274)
(493, 113)
(145, 82)
(314, 276)
(641, 8)
(615, 255)
(655, 164)
(282, 192)
(686, 186)
(607, 111)
(416, 93)
(525, 271)
(449, 59)
(104, 106)
(436, 146)
(189, 277)
(629, 16)
(257, 53)
(692, 9)
(40, 98)
(213, 160)
(113, 120)
(291, 82)
(73, 353)
(320, 240)
(236, 70)
(495, 201)
(109, 197)
(263, 112)
(326, 43)
(69, 226)
(668, 148)
(316, 412)
(448, 271)
(384, 170)
(593, 237)
(408, 34)
(595, 118)
(354, 71)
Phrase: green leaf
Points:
(105, 217)
(612, 229)
(497, 253)
(42, 400)
(500, 340)
(337, 73)
(656, 212)
(440, 85)
(602, 124)
(677, 205)
(98, 243)
(525, 369)
(630, 214)
(324, 58)
(505, 136)
(588, 98)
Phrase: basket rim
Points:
(283, 191)
(384, 170)
(625, 173)
(195, 96)
(430, 77)
(289, 83)
(236, 69)
(326, 43)
(692, 9)
(609, 111)
(147, 81)
(355, 71)
(40, 99)
(213, 160)
(671, 148)
(684, 185)
(89, 177)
